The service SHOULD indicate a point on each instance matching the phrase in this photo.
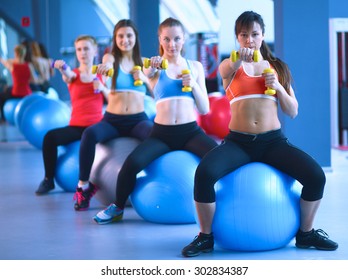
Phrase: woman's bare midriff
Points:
(125, 103)
(254, 115)
(175, 111)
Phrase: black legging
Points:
(4, 96)
(53, 139)
(163, 139)
(272, 148)
(112, 126)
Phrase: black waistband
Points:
(249, 137)
(173, 129)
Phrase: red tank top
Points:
(87, 106)
(21, 80)
(244, 86)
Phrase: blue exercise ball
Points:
(109, 158)
(164, 190)
(23, 104)
(150, 107)
(67, 169)
(257, 209)
(42, 116)
(9, 109)
(52, 94)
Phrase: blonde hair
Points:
(20, 50)
(86, 38)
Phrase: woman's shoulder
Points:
(195, 65)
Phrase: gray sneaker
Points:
(111, 214)
(45, 186)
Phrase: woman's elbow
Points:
(203, 110)
(294, 112)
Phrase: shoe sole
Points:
(114, 219)
(198, 253)
(318, 248)
(81, 209)
(78, 208)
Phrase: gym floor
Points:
(48, 228)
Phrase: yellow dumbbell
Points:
(164, 64)
(110, 72)
(235, 56)
(269, 91)
(138, 82)
(186, 88)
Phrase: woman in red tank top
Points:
(22, 74)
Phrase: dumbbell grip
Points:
(96, 90)
(110, 72)
(235, 56)
(64, 67)
(164, 63)
(269, 91)
(137, 82)
(186, 88)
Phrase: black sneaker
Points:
(315, 238)
(203, 243)
(45, 186)
(83, 197)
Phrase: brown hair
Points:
(35, 49)
(169, 22)
(116, 52)
(247, 20)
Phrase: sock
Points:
(83, 187)
(205, 235)
(306, 232)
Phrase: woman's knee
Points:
(204, 182)
(132, 165)
(50, 138)
(89, 135)
(313, 188)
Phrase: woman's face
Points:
(252, 38)
(125, 39)
(172, 40)
(85, 51)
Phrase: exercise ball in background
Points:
(164, 191)
(67, 169)
(42, 116)
(23, 104)
(202, 119)
(257, 209)
(9, 109)
(216, 122)
(52, 94)
(109, 158)
(150, 107)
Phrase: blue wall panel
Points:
(302, 41)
